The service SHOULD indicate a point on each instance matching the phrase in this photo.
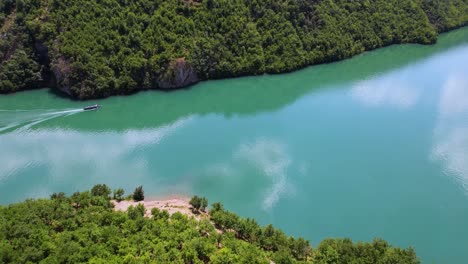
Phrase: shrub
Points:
(60, 195)
(204, 203)
(118, 194)
(215, 207)
(198, 203)
(139, 194)
(158, 214)
(136, 212)
(195, 202)
(101, 190)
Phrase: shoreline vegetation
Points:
(95, 49)
(171, 205)
(99, 226)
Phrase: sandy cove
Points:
(171, 205)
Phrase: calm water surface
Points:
(374, 146)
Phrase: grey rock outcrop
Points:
(179, 74)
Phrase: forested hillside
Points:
(98, 48)
(85, 228)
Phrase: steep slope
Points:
(92, 49)
(84, 228)
(19, 67)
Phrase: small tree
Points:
(198, 203)
(204, 203)
(139, 194)
(216, 207)
(101, 190)
(301, 248)
(195, 202)
(57, 196)
(118, 194)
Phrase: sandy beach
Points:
(171, 205)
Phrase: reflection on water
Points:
(454, 96)
(60, 151)
(271, 158)
(268, 158)
(392, 89)
(451, 131)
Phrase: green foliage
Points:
(135, 212)
(139, 194)
(19, 72)
(204, 203)
(118, 194)
(198, 203)
(343, 251)
(84, 228)
(60, 195)
(101, 48)
(158, 214)
(19, 65)
(215, 207)
(101, 190)
(445, 15)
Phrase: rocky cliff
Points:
(179, 74)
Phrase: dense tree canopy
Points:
(100, 48)
(85, 228)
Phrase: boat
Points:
(92, 107)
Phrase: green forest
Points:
(84, 227)
(97, 48)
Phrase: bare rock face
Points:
(61, 70)
(179, 74)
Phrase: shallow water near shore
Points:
(373, 146)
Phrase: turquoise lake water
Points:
(373, 146)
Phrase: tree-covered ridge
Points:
(19, 67)
(84, 228)
(103, 47)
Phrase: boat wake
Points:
(19, 120)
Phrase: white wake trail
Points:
(22, 120)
